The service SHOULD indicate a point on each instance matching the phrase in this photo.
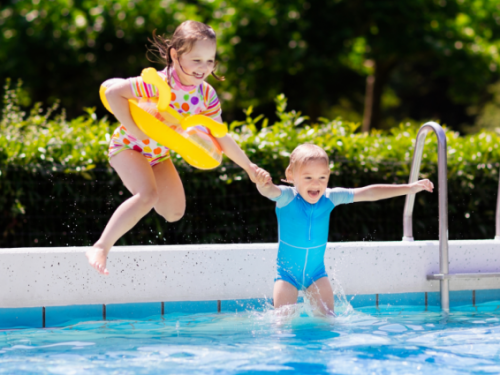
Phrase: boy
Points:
(303, 213)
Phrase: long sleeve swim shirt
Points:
(187, 100)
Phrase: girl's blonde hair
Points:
(183, 40)
(303, 154)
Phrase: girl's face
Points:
(311, 179)
(195, 66)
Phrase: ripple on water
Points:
(262, 341)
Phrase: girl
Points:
(145, 166)
(303, 213)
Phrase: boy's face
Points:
(311, 179)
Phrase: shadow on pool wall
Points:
(42, 208)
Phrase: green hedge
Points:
(58, 189)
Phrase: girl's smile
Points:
(193, 67)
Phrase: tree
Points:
(64, 49)
(460, 38)
(318, 53)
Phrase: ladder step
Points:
(440, 276)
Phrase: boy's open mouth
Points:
(313, 193)
(198, 75)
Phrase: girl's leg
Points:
(137, 175)
(320, 294)
(284, 294)
(171, 198)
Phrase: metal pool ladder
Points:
(443, 276)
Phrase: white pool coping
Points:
(31, 277)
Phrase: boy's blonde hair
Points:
(303, 154)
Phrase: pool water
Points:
(398, 340)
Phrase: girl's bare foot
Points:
(97, 259)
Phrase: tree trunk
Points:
(367, 115)
(373, 95)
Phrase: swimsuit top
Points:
(305, 225)
(187, 100)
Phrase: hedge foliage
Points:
(58, 189)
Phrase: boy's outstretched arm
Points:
(377, 192)
(265, 184)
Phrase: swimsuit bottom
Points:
(300, 266)
(121, 140)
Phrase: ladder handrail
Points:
(443, 200)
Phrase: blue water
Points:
(399, 340)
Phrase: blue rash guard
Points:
(303, 234)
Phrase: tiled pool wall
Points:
(48, 287)
(57, 316)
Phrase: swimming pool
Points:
(392, 340)
(202, 309)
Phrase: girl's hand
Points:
(252, 172)
(418, 186)
(262, 177)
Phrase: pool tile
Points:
(400, 299)
(486, 300)
(132, 310)
(61, 315)
(244, 304)
(362, 300)
(192, 307)
(457, 298)
(433, 299)
(460, 298)
(483, 296)
(23, 317)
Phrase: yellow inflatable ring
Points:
(182, 134)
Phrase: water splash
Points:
(357, 341)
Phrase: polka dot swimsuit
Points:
(122, 140)
(187, 100)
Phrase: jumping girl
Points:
(143, 165)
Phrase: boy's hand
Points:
(265, 184)
(262, 177)
(418, 186)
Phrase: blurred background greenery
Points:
(356, 77)
(378, 62)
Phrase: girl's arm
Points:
(377, 192)
(118, 96)
(236, 154)
(265, 184)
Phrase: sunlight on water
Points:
(362, 341)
